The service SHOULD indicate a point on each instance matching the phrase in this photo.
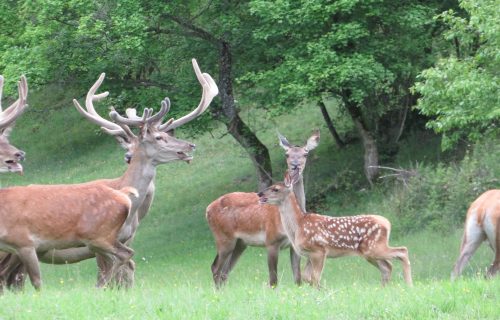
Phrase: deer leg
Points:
(109, 259)
(222, 259)
(384, 266)
(105, 268)
(125, 275)
(30, 260)
(214, 264)
(238, 250)
(272, 264)
(471, 240)
(401, 253)
(12, 272)
(308, 272)
(495, 245)
(295, 262)
(16, 278)
(317, 264)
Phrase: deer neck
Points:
(298, 190)
(291, 217)
(140, 174)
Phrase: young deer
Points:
(10, 156)
(482, 222)
(38, 218)
(318, 237)
(237, 221)
(154, 145)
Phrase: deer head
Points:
(277, 193)
(154, 140)
(296, 156)
(10, 156)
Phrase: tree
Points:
(461, 93)
(144, 48)
(364, 54)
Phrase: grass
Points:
(174, 247)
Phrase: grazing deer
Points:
(10, 156)
(237, 221)
(482, 222)
(153, 145)
(37, 218)
(318, 237)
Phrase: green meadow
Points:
(174, 247)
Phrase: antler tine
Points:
(120, 120)
(164, 108)
(10, 114)
(91, 114)
(166, 102)
(210, 90)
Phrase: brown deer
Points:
(153, 145)
(318, 237)
(237, 221)
(40, 217)
(10, 156)
(482, 222)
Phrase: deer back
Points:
(239, 215)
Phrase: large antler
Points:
(10, 114)
(91, 114)
(210, 90)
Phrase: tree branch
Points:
(195, 30)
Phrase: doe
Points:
(482, 222)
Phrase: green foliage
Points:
(439, 196)
(372, 50)
(174, 247)
(461, 93)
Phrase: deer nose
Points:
(260, 194)
(128, 157)
(192, 145)
(20, 155)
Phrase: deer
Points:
(36, 218)
(237, 221)
(481, 223)
(318, 236)
(152, 146)
(10, 156)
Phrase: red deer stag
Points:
(482, 222)
(10, 156)
(38, 218)
(153, 145)
(237, 221)
(318, 237)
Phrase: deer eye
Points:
(275, 190)
(158, 138)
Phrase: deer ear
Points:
(284, 142)
(313, 141)
(6, 131)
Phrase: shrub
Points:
(438, 196)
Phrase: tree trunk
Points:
(329, 124)
(369, 142)
(228, 114)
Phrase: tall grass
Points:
(174, 247)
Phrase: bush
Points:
(438, 196)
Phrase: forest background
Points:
(405, 93)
